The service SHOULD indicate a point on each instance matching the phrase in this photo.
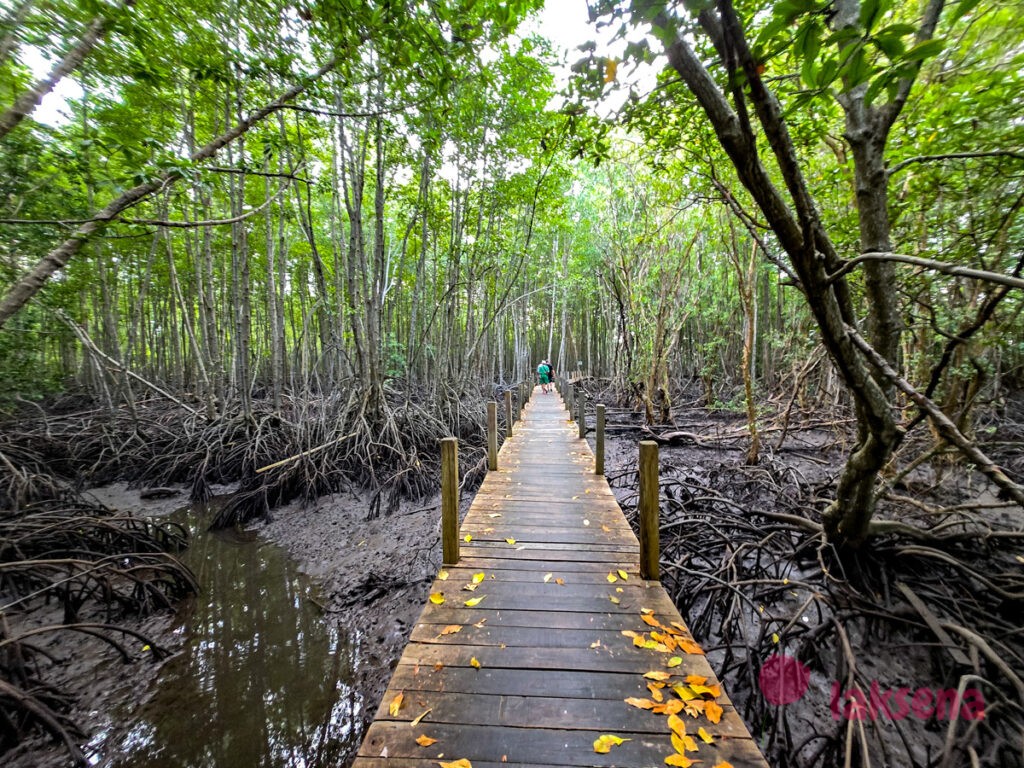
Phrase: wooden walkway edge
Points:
(537, 668)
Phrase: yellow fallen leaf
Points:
(688, 646)
(615, 600)
(676, 725)
(650, 621)
(706, 737)
(675, 661)
(443, 575)
(690, 743)
(684, 692)
(612, 578)
(657, 674)
(425, 741)
(696, 679)
(630, 633)
(145, 648)
(619, 590)
(470, 587)
(775, 637)
(560, 582)
(474, 663)
(603, 744)
(451, 629)
(645, 611)
(714, 690)
(475, 601)
(510, 541)
(419, 717)
(437, 598)
(712, 711)
(463, 763)
(467, 538)
(480, 624)
(623, 575)
(679, 743)
(656, 694)
(478, 577)
(396, 704)
(672, 707)
(680, 761)
(606, 529)
(633, 701)
(547, 577)
(724, 764)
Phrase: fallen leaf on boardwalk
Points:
(437, 598)
(724, 764)
(474, 663)
(672, 707)
(676, 725)
(438, 666)
(463, 763)
(712, 711)
(467, 538)
(606, 529)
(615, 600)
(603, 744)
(694, 708)
(470, 587)
(618, 589)
(451, 629)
(510, 542)
(678, 744)
(560, 582)
(596, 644)
(633, 701)
(684, 692)
(630, 633)
(690, 743)
(425, 741)
(547, 577)
(419, 717)
(396, 704)
(688, 646)
(645, 611)
(478, 577)
(475, 601)
(650, 621)
(656, 694)
(480, 624)
(443, 575)
(612, 578)
(656, 674)
(675, 661)
(696, 679)
(680, 761)
(706, 737)
(623, 575)
(714, 690)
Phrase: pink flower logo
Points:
(783, 679)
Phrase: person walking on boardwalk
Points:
(544, 374)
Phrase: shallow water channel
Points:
(262, 679)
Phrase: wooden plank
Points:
(538, 745)
(545, 712)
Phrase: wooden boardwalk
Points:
(559, 644)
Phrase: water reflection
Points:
(261, 681)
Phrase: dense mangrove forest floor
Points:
(930, 603)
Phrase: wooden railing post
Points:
(450, 501)
(599, 440)
(649, 545)
(492, 435)
(508, 413)
(581, 419)
(569, 399)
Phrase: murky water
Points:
(261, 681)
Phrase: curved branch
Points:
(939, 266)
(943, 425)
(1016, 154)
